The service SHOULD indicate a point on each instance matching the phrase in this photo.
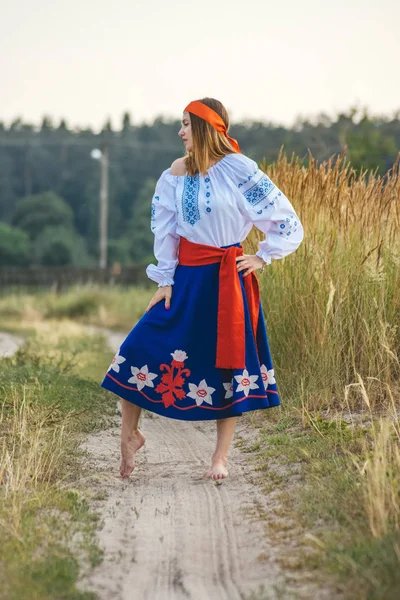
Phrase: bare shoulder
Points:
(178, 167)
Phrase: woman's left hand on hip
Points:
(249, 263)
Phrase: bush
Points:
(141, 237)
(59, 246)
(14, 247)
(119, 252)
(40, 211)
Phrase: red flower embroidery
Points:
(171, 383)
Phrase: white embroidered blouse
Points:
(219, 209)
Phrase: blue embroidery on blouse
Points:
(207, 194)
(153, 211)
(190, 199)
(290, 221)
(259, 191)
(248, 178)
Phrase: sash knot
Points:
(231, 346)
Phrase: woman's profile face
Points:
(185, 132)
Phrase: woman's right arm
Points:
(166, 240)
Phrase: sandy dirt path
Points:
(9, 344)
(168, 535)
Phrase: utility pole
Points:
(103, 222)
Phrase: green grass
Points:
(115, 308)
(322, 487)
(55, 382)
(50, 399)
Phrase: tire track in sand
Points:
(168, 534)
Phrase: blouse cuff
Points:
(266, 257)
(158, 276)
(166, 282)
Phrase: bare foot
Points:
(217, 470)
(129, 447)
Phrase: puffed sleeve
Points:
(268, 209)
(163, 225)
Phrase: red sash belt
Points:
(231, 328)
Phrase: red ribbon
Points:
(208, 114)
(231, 323)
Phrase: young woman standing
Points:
(201, 350)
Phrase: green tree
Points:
(369, 148)
(35, 213)
(119, 251)
(47, 124)
(59, 246)
(15, 247)
(139, 231)
(126, 122)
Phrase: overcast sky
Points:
(87, 60)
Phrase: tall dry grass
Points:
(379, 467)
(333, 319)
(31, 454)
(48, 401)
(381, 485)
(333, 307)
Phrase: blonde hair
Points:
(208, 144)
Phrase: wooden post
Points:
(103, 222)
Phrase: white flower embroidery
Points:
(179, 355)
(229, 389)
(201, 393)
(116, 361)
(267, 376)
(142, 377)
(246, 382)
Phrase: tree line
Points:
(49, 182)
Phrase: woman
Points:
(206, 313)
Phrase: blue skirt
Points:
(166, 364)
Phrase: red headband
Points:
(208, 114)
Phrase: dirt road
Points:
(9, 344)
(168, 535)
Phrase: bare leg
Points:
(225, 431)
(131, 438)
